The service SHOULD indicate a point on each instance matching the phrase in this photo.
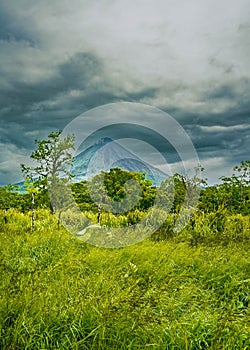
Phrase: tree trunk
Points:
(99, 214)
(51, 208)
(33, 211)
(59, 220)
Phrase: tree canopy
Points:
(51, 171)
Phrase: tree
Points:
(244, 180)
(244, 172)
(232, 195)
(32, 190)
(121, 191)
(53, 160)
(10, 198)
(82, 197)
(187, 189)
(235, 190)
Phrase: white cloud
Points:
(11, 158)
(221, 128)
(150, 42)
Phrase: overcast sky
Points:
(189, 58)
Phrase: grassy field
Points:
(57, 292)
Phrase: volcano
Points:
(106, 154)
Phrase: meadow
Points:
(185, 291)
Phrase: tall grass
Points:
(57, 292)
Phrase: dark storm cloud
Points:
(11, 29)
(224, 104)
(76, 85)
(59, 59)
(77, 73)
(219, 138)
(82, 75)
(26, 107)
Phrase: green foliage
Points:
(185, 289)
(52, 163)
(58, 293)
(81, 194)
(12, 199)
(182, 191)
(120, 190)
(52, 158)
(233, 193)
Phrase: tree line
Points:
(48, 185)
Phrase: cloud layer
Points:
(61, 58)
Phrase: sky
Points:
(190, 59)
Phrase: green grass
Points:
(59, 293)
